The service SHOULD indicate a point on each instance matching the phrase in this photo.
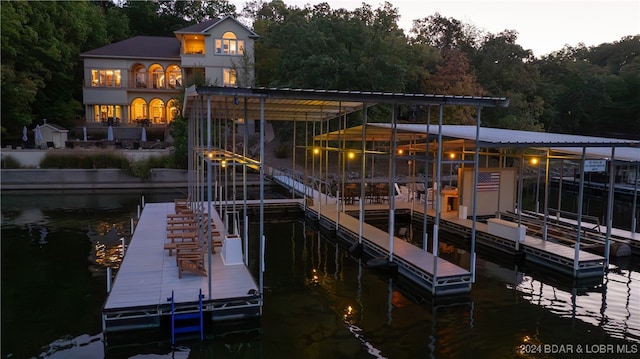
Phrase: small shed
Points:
(53, 135)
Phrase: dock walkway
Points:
(549, 254)
(148, 275)
(438, 276)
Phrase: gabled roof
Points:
(205, 26)
(198, 28)
(53, 127)
(140, 47)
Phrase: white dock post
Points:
(142, 201)
(108, 279)
(122, 241)
(337, 212)
(138, 211)
(132, 226)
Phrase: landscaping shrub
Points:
(9, 162)
(143, 168)
(85, 160)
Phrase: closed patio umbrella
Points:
(143, 135)
(38, 136)
(110, 134)
(24, 134)
(84, 134)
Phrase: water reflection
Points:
(320, 301)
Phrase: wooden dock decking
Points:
(148, 275)
(546, 253)
(434, 274)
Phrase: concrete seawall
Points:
(109, 178)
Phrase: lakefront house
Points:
(137, 81)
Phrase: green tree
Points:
(455, 77)
(504, 68)
(41, 43)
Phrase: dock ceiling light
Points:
(316, 151)
(400, 152)
(534, 161)
(351, 155)
(223, 163)
(452, 155)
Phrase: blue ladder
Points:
(178, 318)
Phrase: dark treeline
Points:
(580, 90)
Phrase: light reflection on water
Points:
(320, 302)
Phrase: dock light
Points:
(316, 151)
(351, 155)
(224, 163)
(534, 161)
(400, 151)
(210, 155)
(452, 155)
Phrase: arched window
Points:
(172, 110)
(139, 111)
(140, 75)
(156, 107)
(229, 45)
(175, 76)
(157, 76)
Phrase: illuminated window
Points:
(172, 110)
(105, 78)
(157, 74)
(139, 109)
(230, 77)
(194, 45)
(229, 45)
(107, 113)
(156, 107)
(175, 76)
(141, 77)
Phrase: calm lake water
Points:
(320, 302)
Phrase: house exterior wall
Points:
(123, 96)
(214, 64)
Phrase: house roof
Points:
(140, 47)
(156, 47)
(205, 26)
(54, 128)
(198, 28)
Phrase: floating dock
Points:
(421, 267)
(546, 253)
(141, 293)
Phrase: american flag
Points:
(488, 181)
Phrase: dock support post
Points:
(142, 200)
(261, 234)
(436, 226)
(138, 211)
(363, 168)
(576, 258)
(635, 199)
(392, 187)
(133, 228)
(425, 235)
(607, 243)
(108, 279)
(475, 200)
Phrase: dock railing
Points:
(308, 186)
